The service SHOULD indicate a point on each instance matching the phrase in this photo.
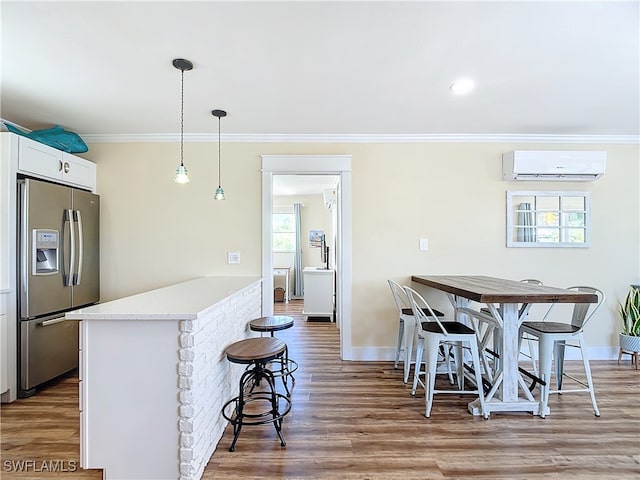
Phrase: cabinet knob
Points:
(66, 167)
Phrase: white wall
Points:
(156, 233)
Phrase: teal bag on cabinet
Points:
(56, 137)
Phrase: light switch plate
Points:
(233, 257)
(424, 244)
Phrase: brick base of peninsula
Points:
(154, 377)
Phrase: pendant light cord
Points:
(182, 120)
(219, 176)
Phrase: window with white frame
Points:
(284, 232)
(548, 219)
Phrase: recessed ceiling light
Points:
(463, 85)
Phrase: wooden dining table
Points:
(509, 302)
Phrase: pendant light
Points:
(219, 195)
(181, 172)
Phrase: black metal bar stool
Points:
(281, 367)
(257, 402)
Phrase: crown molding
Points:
(361, 138)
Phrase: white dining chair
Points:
(553, 337)
(431, 333)
(405, 344)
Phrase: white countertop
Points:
(317, 270)
(182, 301)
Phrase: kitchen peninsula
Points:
(153, 376)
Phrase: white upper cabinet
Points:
(46, 162)
(78, 171)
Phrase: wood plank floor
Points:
(357, 420)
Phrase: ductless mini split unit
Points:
(545, 165)
(330, 198)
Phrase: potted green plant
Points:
(630, 314)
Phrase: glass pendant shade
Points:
(219, 195)
(181, 175)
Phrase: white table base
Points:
(504, 396)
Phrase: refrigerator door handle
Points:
(68, 278)
(78, 219)
(24, 245)
(46, 323)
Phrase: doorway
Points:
(310, 166)
(304, 232)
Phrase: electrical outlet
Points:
(424, 244)
(233, 257)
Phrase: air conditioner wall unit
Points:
(330, 198)
(547, 165)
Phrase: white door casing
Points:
(312, 165)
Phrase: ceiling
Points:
(302, 70)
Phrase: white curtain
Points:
(526, 232)
(297, 257)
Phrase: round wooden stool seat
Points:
(271, 324)
(252, 350)
(257, 402)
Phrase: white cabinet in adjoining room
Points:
(318, 292)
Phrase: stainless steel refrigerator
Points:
(58, 271)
